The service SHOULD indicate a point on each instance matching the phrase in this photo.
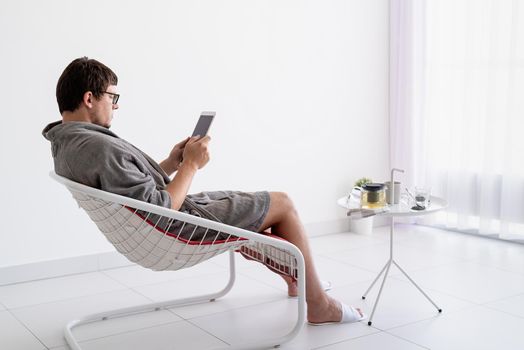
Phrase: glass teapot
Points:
(372, 195)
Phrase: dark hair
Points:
(80, 76)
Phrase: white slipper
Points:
(349, 315)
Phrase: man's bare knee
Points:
(282, 202)
(280, 209)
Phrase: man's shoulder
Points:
(85, 143)
(89, 137)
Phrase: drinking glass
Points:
(422, 195)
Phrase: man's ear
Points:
(88, 99)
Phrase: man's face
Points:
(103, 108)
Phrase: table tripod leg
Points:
(416, 285)
(376, 279)
(379, 292)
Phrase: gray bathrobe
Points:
(94, 156)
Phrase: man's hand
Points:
(171, 164)
(196, 152)
(195, 156)
(176, 153)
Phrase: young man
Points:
(85, 151)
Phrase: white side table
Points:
(395, 210)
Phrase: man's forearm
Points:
(180, 184)
(168, 166)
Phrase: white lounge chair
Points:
(127, 224)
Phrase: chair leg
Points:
(122, 312)
(267, 343)
(301, 311)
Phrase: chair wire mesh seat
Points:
(133, 228)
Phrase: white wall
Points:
(300, 90)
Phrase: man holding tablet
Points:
(86, 151)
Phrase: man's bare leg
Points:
(292, 288)
(284, 221)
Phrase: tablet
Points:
(204, 123)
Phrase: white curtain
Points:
(457, 108)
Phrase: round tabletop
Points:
(402, 209)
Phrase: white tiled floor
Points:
(479, 284)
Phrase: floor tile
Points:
(245, 292)
(49, 290)
(316, 336)
(259, 322)
(400, 303)
(512, 305)
(479, 328)
(342, 241)
(373, 258)
(340, 273)
(47, 320)
(380, 340)
(463, 246)
(133, 276)
(14, 336)
(478, 282)
(173, 336)
(402, 232)
(438, 241)
(503, 255)
(470, 281)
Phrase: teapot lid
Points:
(373, 187)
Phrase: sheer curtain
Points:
(457, 108)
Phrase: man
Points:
(84, 150)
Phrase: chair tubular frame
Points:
(250, 237)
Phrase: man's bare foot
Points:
(326, 312)
(292, 289)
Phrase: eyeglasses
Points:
(115, 96)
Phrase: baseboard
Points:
(337, 226)
(61, 267)
(326, 227)
(103, 261)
